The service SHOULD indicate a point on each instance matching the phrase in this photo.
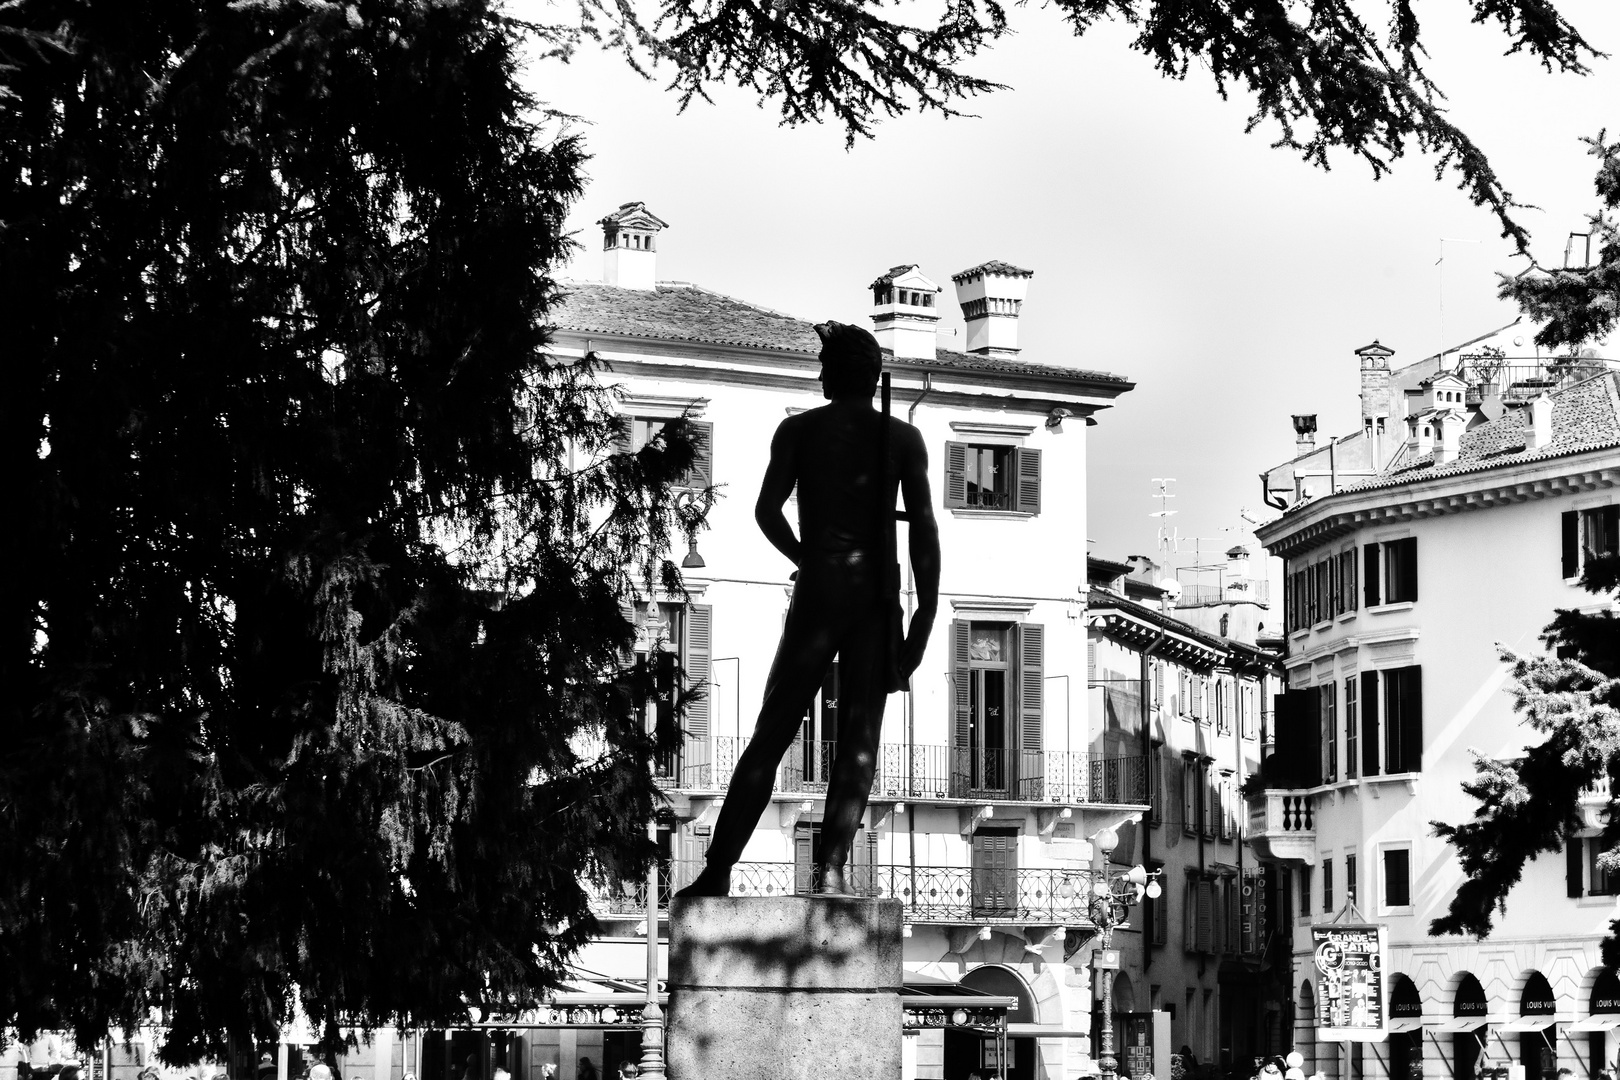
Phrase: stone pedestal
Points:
(786, 988)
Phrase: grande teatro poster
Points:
(1352, 1002)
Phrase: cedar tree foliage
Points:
(1571, 694)
(312, 647)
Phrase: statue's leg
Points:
(809, 642)
(860, 726)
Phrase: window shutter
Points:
(1161, 918)
(962, 709)
(699, 637)
(1368, 706)
(1158, 685)
(1573, 865)
(955, 474)
(1206, 917)
(1189, 917)
(702, 474)
(1307, 714)
(1409, 568)
(803, 859)
(1369, 577)
(1572, 546)
(1027, 477)
(1412, 719)
(627, 612)
(1091, 660)
(1031, 685)
(1348, 571)
(621, 436)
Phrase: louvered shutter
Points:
(621, 437)
(1573, 865)
(1091, 660)
(1189, 917)
(1409, 568)
(1571, 525)
(702, 473)
(627, 612)
(803, 859)
(955, 474)
(1206, 917)
(1369, 577)
(699, 648)
(1305, 712)
(1368, 705)
(1412, 719)
(1031, 685)
(1161, 918)
(1347, 573)
(1027, 480)
(962, 718)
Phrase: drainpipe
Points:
(911, 700)
(1265, 496)
(1147, 755)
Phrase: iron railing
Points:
(1229, 590)
(928, 894)
(928, 772)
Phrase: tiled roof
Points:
(1585, 416)
(675, 311)
(994, 266)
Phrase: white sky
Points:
(1229, 280)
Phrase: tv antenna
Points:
(1164, 513)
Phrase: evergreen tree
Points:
(1571, 694)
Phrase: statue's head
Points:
(850, 361)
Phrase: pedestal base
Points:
(786, 988)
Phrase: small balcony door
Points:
(807, 766)
(995, 872)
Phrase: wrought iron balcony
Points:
(928, 894)
(1282, 825)
(925, 772)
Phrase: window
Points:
(1350, 878)
(1247, 714)
(1397, 878)
(1198, 927)
(1584, 875)
(992, 478)
(1350, 728)
(1189, 793)
(998, 688)
(1347, 581)
(995, 872)
(671, 636)
(1158, 685)
(1199, 684)
(1391, 572)
(1327, 886)
(637, 431)
(1328, 715)
(1403, 720)
(1223, 705)
(1588, 535)
(1157, 913)
(1211, 809)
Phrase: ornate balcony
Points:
(1282, 825)
(960, 895)
(929, 773)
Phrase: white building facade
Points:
(1477, 491)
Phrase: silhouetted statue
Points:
(845, 597)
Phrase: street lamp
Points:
(1112, 894)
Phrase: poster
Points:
(1351, 1002)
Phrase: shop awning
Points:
(1400, 1025)
(1524, 1024)
(1045, 1031)
(1460, 1023)
(1604, 1022)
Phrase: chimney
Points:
(905, 312)
(991, 295)
(1420, 434)
(1453, 423)
(1539, 433)
(1375, 396)
(1304, 434)
(630, 247)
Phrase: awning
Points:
(1525, 1023)
(1045, 1031)
(1602, 1022)
(1460, 1023)
(1400, 1025)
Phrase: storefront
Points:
(1405, 1021)
(1466, 1030)
(1535, 1030)
(1603, 1017)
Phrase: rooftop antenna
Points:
(1163, 513)
(1441, 263)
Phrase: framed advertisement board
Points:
(1352, 996)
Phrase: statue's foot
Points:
(712, 881)
(830, 882)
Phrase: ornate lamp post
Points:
(1113, 893)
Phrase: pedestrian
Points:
(628, 1070)
(587, 1071)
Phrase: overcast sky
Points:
(1229, 280)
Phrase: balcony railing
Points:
(1282, 824)
(930, 772)
(928, 894)
(1229, 590)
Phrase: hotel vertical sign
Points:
(1352, 996)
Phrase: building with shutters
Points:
(992, 773)
(1481, 481)
(1197, 705)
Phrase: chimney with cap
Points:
(1304, 433)
(905, 312)
(992, 295)
(630, 246)
(1540, 432)
(1375, 397)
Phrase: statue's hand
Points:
(911, 654)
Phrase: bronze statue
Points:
(845, 597)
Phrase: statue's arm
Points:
(924, 545)
(780, 473)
